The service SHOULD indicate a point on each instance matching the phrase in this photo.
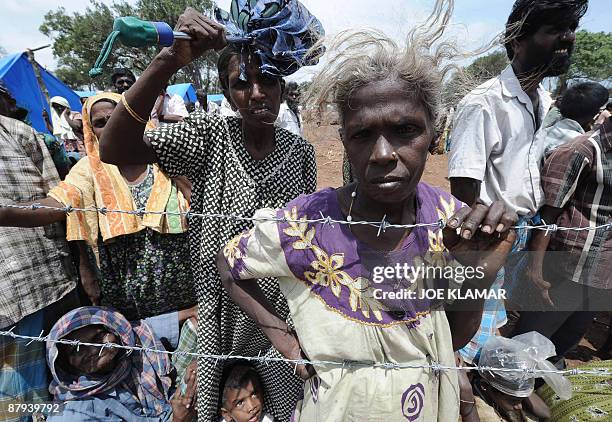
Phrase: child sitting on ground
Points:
(242, 395)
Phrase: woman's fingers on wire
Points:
(493, 217)
(473, 220)
(450, 230)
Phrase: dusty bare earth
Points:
(329, 153)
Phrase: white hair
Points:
(360, 57)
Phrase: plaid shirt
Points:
(36, 269)
(577, 177)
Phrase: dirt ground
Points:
(329, 153)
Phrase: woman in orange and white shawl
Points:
(144, 259)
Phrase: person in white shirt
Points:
(289, 113)
(577, 107)
(169, 108)
(493, 154)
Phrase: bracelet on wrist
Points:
(132, 113)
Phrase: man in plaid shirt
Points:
(37, 276)
(571, 269)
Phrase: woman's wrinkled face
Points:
(258, 98)
(100, 113)
(386, 135)
(88, 360)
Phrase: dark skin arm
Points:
(538, 245)
(14, 217)
(123, 141)
(170, 118)
(183, 405)
(76, 125)
(47, 121)
(89, 279)
(249, 296)
(465, 189)
(485, 240)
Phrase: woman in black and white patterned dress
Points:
(237, 165)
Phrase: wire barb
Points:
(346, 364)
(324, 220)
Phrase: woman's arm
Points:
(123, 140)
(538, 245)
(485, 238)
(89, 277)
(16, 217)
(250, 298)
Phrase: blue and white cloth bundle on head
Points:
(280, 32)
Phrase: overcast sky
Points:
(475, 21)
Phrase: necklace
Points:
(349, 217)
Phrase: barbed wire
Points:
(381, 225)
(346, 364)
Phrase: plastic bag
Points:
(521, 355)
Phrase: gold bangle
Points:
(134, 115)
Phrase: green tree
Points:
(469, 77)
(592, 58)
(77, 40)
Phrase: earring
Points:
(353, 195)
(394, 155)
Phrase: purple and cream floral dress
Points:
(325, 274)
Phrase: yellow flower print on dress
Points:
(327, 269)
(436, 255)
(232, 251)
(448, 209)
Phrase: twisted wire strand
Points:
(325, 220)
(347, 364)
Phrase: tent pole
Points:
(41, 84)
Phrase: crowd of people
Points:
(216, 251)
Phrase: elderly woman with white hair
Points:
(346, 299)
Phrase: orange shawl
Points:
(94, 183)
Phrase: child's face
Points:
(244, 404)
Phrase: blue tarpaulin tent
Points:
(215, 98)
(185, 91)
(85, 94)
(18, 75)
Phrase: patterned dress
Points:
(329, 279)
(139, 270)
(210, 151)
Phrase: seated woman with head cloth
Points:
(389, 102)
(236, 164)
(114, 384)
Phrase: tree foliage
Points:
(481, 69)
(592, 58)
(78, 38)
